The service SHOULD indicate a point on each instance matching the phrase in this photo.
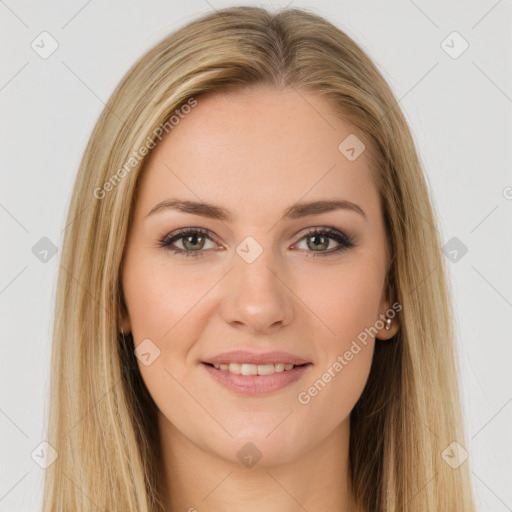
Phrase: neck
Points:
(198, 479)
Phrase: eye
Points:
(194, 240)
(318, 239)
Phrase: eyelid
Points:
(344, 240)
(324, 228)
(182, 232)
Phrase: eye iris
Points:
(324, 243)
(194, 237)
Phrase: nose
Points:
(257, 296)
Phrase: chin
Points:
(260, 445)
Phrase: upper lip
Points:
(247, 357)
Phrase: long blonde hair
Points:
(102, 420)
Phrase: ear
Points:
(391, 312)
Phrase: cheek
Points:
(159, 297)
(164, 305)
(344, 299)
(169, 307)
(346, 303)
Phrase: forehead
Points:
(249, 150)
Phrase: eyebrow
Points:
(295, 211)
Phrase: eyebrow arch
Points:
(295, 211)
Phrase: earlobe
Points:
(389, 329)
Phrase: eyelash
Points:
(345, 241)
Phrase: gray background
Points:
(460, 112)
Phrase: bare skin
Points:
(255, 153)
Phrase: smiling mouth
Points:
(255, 369)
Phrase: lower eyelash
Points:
(345, 242)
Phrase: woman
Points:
(252, 306)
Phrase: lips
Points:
(250, 373)
(253, 385)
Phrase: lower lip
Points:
(256, 384)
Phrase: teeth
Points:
(254, 369)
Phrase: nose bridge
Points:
(256, 266)
(257, 295)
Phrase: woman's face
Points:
(252, 279)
